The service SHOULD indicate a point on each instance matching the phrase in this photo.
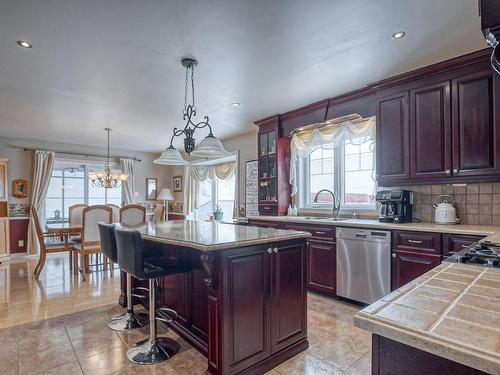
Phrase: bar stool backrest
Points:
(76, 213)
(116, 212)
(108, 241)
(132, 214)
(130, 250)
(93, 215)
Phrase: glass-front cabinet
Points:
(272, 150)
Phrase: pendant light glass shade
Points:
(210, 147)
(170, 156)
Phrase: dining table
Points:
(66, 230)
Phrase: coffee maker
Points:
(395, 206)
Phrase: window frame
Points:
(214, 195)
(303, 174)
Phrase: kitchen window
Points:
(346, 169)
(213, 192)
(70, 185)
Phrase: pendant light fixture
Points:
(107, 179)
(209, 147)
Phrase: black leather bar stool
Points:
(129, 320)
(134, 260)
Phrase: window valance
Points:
(328, 135)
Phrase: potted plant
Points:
(218, 214)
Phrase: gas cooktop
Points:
(483, 253)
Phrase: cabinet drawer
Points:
(320, 232)
(421, 242)
(268, 209)
(266, 224)
(453, 243)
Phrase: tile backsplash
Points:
(475, 203)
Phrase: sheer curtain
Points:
(43, 163)
(328, 135)
(197, 173)
(128, 167)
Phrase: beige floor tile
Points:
(70, 368)
(362, 367)
(9, 366)
(307, 364)
(43, 358)
(93, 343)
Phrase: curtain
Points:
(128, 167)
(329, 136)
(196, 173)
(43, 164)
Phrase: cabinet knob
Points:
(269, 251)
(456, 170)
(394, 255)
(447, 171)
(275, 250)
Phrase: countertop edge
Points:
(228, 245)
(359, 223)
(444, 348)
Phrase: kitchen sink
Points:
(319, 218)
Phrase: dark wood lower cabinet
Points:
(407, 266)
(390, 357)
(244, 308)
(321, 261)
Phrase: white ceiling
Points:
(116, 63)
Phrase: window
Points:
(346, 170)
(70, 185)
(213, 193)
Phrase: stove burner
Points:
(484, 253)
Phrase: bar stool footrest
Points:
(170, 313)
(148, 351)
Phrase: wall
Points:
(20, 162)
(475, 203)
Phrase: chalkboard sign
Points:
(251, 188)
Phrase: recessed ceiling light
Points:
(24, 44)
(235, 104)
(398, 35)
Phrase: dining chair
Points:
(45, 247)
(91, 241)
(116, 212)
(76, 217)
(132, 214)
(159, 214)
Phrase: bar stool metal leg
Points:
(155, 349)
(130, 319)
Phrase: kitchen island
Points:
(444, 322)
(244, 304)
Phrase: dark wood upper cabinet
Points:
(430, 131)
(393, 156)
(476, 131)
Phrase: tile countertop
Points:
(492, 232)
(212, 236)
(452, 311)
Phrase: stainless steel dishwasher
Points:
(363, 264)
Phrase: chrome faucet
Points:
(336, 202)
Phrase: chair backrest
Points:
(76, 213)
(130, 250)
(93, 215)
(108, 241)
(159, 213)
(116, 212)
(132, 214)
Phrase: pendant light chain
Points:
(192, 87)
(186, 91)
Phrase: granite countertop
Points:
(211, 235)
(452, 311)
(493, 232)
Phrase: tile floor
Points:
(81, 343)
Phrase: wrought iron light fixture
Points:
(210, 147)
(107, 179)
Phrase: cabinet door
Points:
(4, 236)
(321, 263)
(453, 243)
(288, 296)
(476, 133)
(247, 293)
(408, 266)
(430, 131)
(393, 148)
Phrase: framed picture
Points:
(20, 188)
(177, 182)
(151, 188)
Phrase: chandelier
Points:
(107, 179)
(209, 147)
